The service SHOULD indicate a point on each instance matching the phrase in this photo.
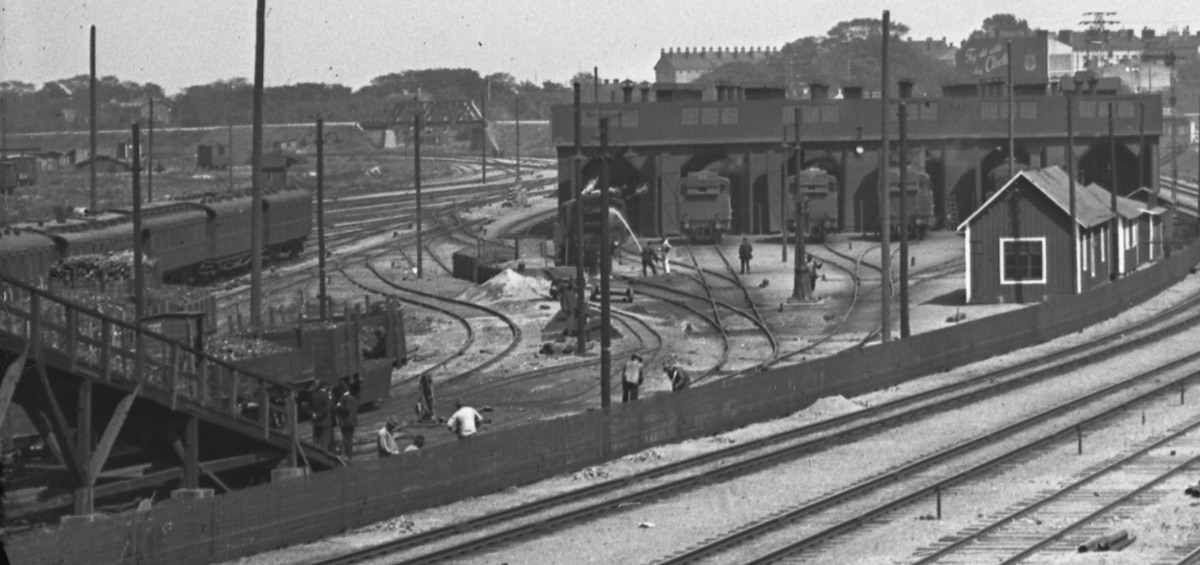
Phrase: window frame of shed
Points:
(1004, 278)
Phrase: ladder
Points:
(951, 213)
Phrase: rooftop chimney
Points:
(906, 87)
(645, 88)
(818, 91)
(627, 87)
(852, 92)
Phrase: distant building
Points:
(938, 50)
(681, 66)
(1018, 244)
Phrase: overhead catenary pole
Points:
(93, 205)
(885, 252)
(577, 188)
(139, 275)
(605, 273)
(321, 292)
(903, 158)
(1078, 278)
(417, 126)
(256, 187)
(1115, 239)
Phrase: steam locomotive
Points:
(704, 209)
(918, 203)
(819, 190)
(192, 240)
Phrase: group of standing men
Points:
(652, 255)
(633, 375)
(337, 408)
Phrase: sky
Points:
(181, 43)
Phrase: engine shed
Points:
(1018, 244)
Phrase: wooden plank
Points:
(72, 331)
(110, 434)
(234, 383)
(106, 351)
(191, 454)
(83, 427)
(264, 409)
(7, 388)
(58, 423)
(174, 380)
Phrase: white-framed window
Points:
(1023, 260)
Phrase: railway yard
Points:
(700, 320)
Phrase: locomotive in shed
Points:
(565, 232)
(918, 203)
(193, 240)
(819, 190)
(704, 209)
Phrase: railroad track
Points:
(494, 530)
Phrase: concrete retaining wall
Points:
(308, 508)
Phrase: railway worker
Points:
(679, 378)
(385, 443)
(665, 252)
(648, 258)
(632, 375)
(812, 264)
(465, 421)
(425, 405)
(347, 414)
(745, 253)
(416, 445)
(322, 417)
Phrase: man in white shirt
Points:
(385, 443)
(464, 421)
(665, 250)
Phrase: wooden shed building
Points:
(1018, 244)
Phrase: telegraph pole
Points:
(577, 187)
(256, 187)
(1076, 282)
(229, 122)
(885, 252)
(783, 196)
(1116, 220)
(321, 217)
(139, 275)
(605, 274)
(517, 102)
(417, 126)
(800, 285)
(92, 123)
(903, 119)
(1012, 158)
(150, 156)
(483, 136)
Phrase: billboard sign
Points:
(987, 58)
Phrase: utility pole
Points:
(517, 103)
(885, 252)
(1153, 200)
(783, 196)
(139, 275)
(321, 218)
(1012, 158)
(595, 85)
(229, 122)
(150, 156)
(801, 292)
(1116, 220)
(417, 126)
(1174, 147)
(483, 132)
(256, 187)
(1076, 279)
(577, 187)
(903, 119)
(93, 206)
(605, 274)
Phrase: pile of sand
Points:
(828, 407)
(508, 285)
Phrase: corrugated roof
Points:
(1092, 202)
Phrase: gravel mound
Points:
(508, 285)
(828, 407)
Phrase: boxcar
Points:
(26, 255)
(99, 235)
(287, 220)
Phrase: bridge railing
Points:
(107, 349)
